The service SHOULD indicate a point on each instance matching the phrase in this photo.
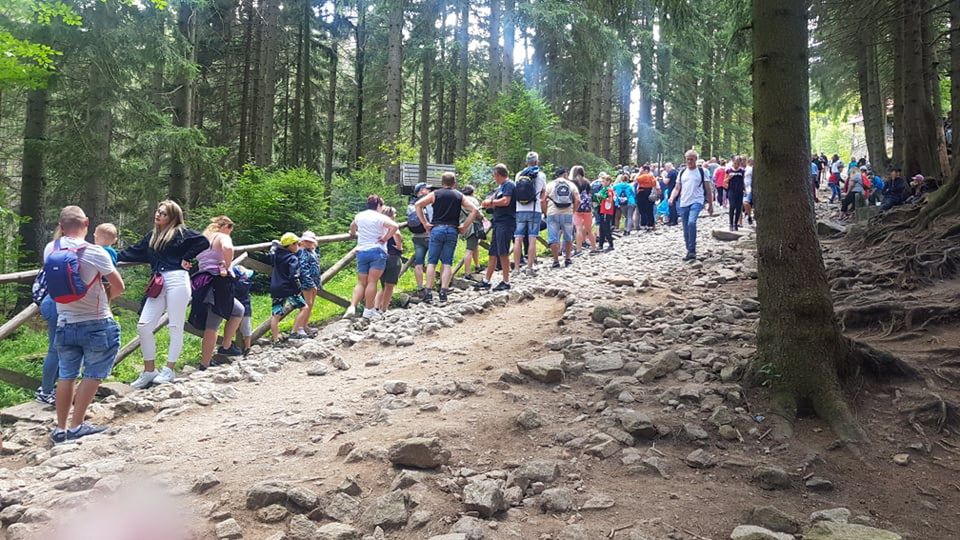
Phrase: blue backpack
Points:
(61, 272)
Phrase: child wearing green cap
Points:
(285, 280)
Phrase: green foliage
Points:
(829, 135)
(400, 152)
(350, 191)
(9, 243)
(521, 121)
(476, 169)
(265, 204)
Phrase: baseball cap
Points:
(417, 188)
(288, 238)
(532, 156)
(559, 171)
(308, 236)
(917, 177)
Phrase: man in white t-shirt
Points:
(87, 336)
(693, 191)
(529, 216)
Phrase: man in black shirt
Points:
(445, 229)
(503, 224)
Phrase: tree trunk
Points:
(798, 338)
(509, 39)
(955, 80)
(429, 52)
(360, 34)
(593, 119)
(33, 177)
(263, 153)
(296, 126)
(932, 78)
(441, 117)
(871, 105)
(920, 152)
(309, 156)
(606, 111)
(708, 150)
(624, 83)
(246, 109)
(331, 117)
(899, 127)
(463, 93)
(225, 135)
(394, 82)
(183, 101)
(663, 84)
(496, 53)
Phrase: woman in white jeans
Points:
(168, 249)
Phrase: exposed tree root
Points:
(831, 406)
(782, 415)
(936, 412)
(892, 316)
(876, 363)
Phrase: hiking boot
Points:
(690, 257)
(427, 296)
(502, 286)
(609, 249)
(483, 285)
(567, 262)
(46, 399)
(144, 380)
(556, 264)
(58, 436)
(232, 351)
(83, 430)
(442, 296)
(165, 376)
(299, 335)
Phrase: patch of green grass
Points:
(24, 352)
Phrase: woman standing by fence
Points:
(213, 298)
(168, 249)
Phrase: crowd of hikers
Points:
(195, 270)
(858, 183)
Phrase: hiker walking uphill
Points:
(530, 195)
(562, 198)
(87, 336)
(445, 229)
(168, 249)
(501, 204)
(691, 193)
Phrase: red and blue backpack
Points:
(61, 274)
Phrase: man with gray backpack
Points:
(530, 196)
(562, 198)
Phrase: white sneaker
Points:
(351, 312)
(166, 375)
(371, 314)
(144, 380)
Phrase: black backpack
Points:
(525, 191)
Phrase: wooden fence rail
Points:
(241, 256)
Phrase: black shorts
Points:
(501, 239)
(391, 274)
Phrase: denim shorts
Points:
(443, 243)
(557, 224)
(92, 345)
(371, 259)
(420, 246)
(528, 224)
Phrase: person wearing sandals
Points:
(168, 249)
(213, 298)
(309, 283)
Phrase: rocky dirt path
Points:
(597, 401)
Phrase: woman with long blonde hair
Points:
(168, 249)
(213, 300)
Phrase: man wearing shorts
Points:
(562, 198)
(528, 218)
(421, 240)
(87, 336)
(502, 226)
(445, 229)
